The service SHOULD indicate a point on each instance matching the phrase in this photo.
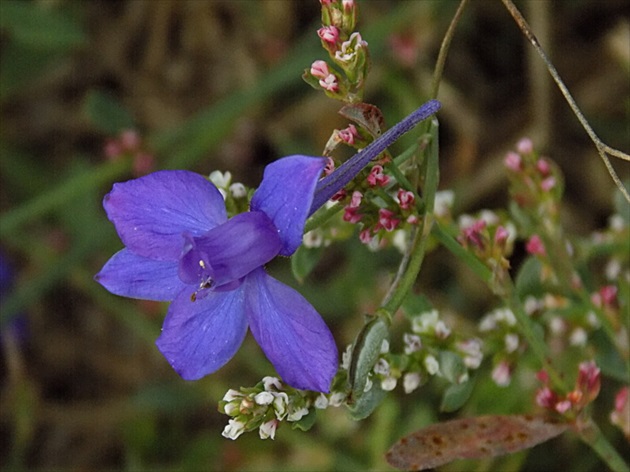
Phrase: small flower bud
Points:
(411, 381)
(268, 429)
(386, 220)
(377, 177)
(513, 162)
(535, 246)
(525, 146)
(502, 374)
(405, 199)
(233, 429)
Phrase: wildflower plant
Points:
(202, 243)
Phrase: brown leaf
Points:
(368, 116)
(471, 438)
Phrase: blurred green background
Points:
(217, 85)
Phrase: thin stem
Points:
(446, 42)
(603, 149)
(590, 433)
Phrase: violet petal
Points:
(199, 337)
(151, 213)
(291, 333)
(130, 275)
(286, 194)
(232, 250)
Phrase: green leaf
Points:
(107, 113)
(30, 24)
(456, 395)
(452, 366)
(364, 405)
(306, 422)
(304, 261)
(365, 352)
(528, 278)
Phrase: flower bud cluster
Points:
(235, 194)
(129, 144)
(265, 406)
(535, 181)
(430, 349)
(347, 50)
(491, 238)
(500, 333)
(571, 404)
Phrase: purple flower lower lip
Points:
(181, 247)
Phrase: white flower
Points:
(381, 367)
(232, 394)
(389, 383)
(501, 374)
(413, 343)
(441, 330)
(296, 415)
(346, 358)
(401, 240)
(385, 346)
(233, 429)
(238, 190)
(431, 364)
(487, 323)
(471, 348)
(337, 398)
(592, 320)
(557, 325)
(489, 217)
(511, 342)
(321, 402)
(443, 203)
(368, 385)
(425, 322)
(280, 403)
(264, 398)
(411, 381)
(314, 238)
(221, 179)
(578, 337)
(268, 429)
(271, 382)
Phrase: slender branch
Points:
(446, 42)
(603, 149)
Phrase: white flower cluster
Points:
(262, 409)
(223, 182)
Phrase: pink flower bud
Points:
(329, 83)
(548, 183)
(546, 398)
(589, 380)
(501, 235)
(319, 69)
(535, 246)
(347, 5)
(621, 399)
(356, 199)
(129, 140)
(386, 219)
(329, 167)
(513, 161)
(405, 199)
(472, 234)
(377, 177)
(351, 215)
(349, 134)
(502, 374)
(329, 34)
(525, 146)
(365, 236)
(563, 406)
(543, 166)
(340, 195)
(112, 149)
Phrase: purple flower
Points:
(182, 248)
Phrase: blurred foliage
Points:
(217, 85)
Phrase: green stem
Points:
(590, 434)
(410, 266)
(446, 42)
